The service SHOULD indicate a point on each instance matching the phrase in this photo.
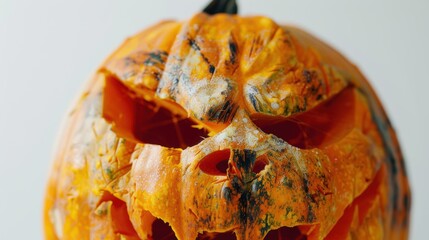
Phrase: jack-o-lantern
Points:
(227, 127)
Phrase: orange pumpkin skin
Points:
(227, 126)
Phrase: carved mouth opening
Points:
(363, 203)
(162, 230)
(230, 235)
(121, 222)
(286, 233)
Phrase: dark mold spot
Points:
(146, 58)
(212, 69)
(236, 183)
(254, 101)
(251, 192)
(194, 45)
(309, 197)
(249, 158)
(223, 113)
(157, 76)
(259, 191)
(227, 193)
(244, 160)
(233, 50)
(197, 48)
(157, 57)
(307, 75)
(174, 89)
(243, 207)
(266, 223)
(129, 61)
(287, 182)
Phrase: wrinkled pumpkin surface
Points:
(227, 127)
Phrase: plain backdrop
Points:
(48, 49)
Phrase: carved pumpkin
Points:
(227, 127)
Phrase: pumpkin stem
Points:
(221, 6)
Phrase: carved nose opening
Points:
(260, 164)
(216, 163)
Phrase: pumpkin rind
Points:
(221, 71)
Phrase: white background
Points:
(48, 48)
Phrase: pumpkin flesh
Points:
(194, 125)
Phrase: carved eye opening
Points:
(318, 127)
(152, 120)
